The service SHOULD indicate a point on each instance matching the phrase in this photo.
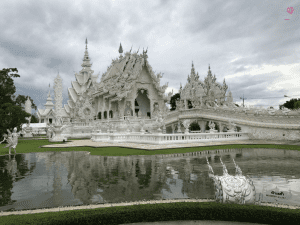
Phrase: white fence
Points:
(168, 138)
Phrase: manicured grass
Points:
(27, 146)
(162, 212)
(156, 212)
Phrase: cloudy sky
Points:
(249, 43)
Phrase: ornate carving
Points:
(186, 124)
(86, 111)
(156, 111)
(233, 189)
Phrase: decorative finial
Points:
(120, 49)
(130, 49)
(209, 66)
(192, 64)
(138, 50)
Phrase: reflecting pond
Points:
(53, 179)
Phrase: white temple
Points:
(128, 88)
(129, 105)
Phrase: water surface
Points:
(59, 179)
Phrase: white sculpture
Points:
(285, 111)
(12, 139)
(271, 110)
(211, 126)
(186, 124)
(231, 126)
(233, 189)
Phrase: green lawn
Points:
(27, 146)
(156, 212)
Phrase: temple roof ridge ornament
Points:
(120, 50)
(86, 59)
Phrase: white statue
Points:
(12, 139)
(156, 111)
(186, 124)
(285, 111)
(211, 125)
(28, 119)
(233, 189)
(271, 110)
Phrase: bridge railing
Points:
(168, 138)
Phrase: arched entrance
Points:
(142, 103)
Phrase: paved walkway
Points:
(78, 143)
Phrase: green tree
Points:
(11, 114)
(297, 105)
(34, 118)
(290, 104)
(173, 101)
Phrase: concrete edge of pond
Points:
(68, 208)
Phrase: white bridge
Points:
(168, 138)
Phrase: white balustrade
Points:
(168, 138)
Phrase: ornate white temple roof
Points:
(202, 88)
(67, 108)
(76, 87)
(49, 104)
(72, 94)
(84, 79)
(123, 74)
(44, 112)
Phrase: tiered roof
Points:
(84, 80)
(199, 87)
(122, 75)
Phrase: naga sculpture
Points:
(233, 189)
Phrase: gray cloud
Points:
(239, 39)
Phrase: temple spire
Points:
(86, 59)
(193, 74)
(120, 50)
(209, 72)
